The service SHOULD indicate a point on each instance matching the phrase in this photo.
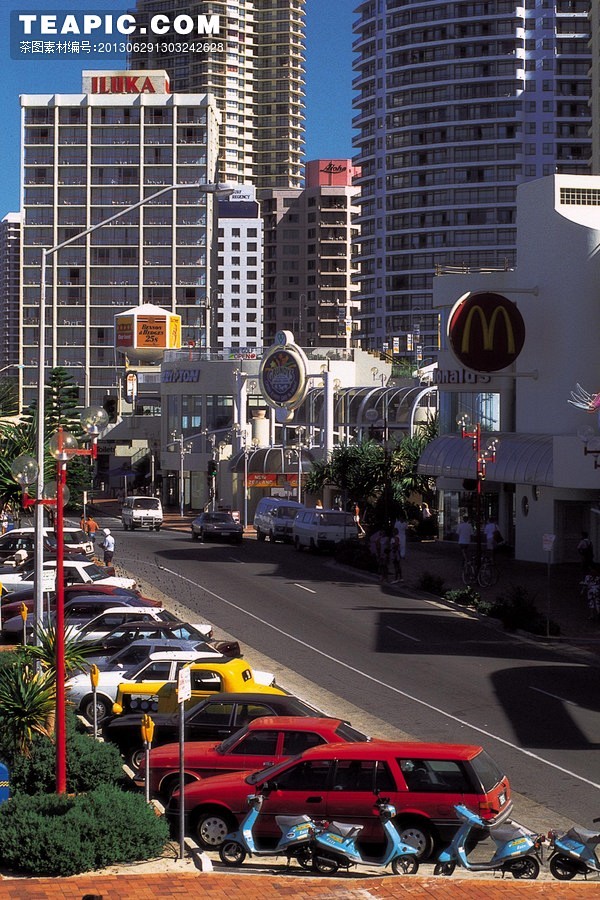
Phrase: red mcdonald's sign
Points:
(486, 332)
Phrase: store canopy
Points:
(273, 460)
(520, 458)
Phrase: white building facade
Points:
(545, 479)
(84, 156)
(10, 258)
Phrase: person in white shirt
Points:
(465, 533)
(108, 545)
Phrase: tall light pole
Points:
(482, 458)
(183, 450)
(63, 446)
(222, 189)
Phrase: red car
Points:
(263, 742)
(339, 781)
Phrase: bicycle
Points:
(486, 575)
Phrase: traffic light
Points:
(211, 470)
(111, 404)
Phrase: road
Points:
(434, 673)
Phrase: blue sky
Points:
(328, 91)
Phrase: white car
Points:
(77, 571)
(158, 667)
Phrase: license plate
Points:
(502, 798)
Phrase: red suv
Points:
(338, 781)
(265, 741)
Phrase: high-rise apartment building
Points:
(457, 103)
(255, 70)
(10, 258)
(84, 157)
(238, 305)
(310, 267)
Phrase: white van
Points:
(274, 518)
(141, 512)
(322, 529)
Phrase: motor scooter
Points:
(574, 852)
(335, 846)
(294, 843)
(518, 850)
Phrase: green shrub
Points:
(433, 584)
(517, 610)
(464, 596)
(59, 835)
(356, 553)
(89, 763)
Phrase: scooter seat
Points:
(584, 835)
(506, 832)
(345, 830)
(290, 821)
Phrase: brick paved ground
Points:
(216, 886)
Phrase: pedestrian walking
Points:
(383, 556)
(401, 526)
(356, 516)
(585, 548)
(492, 536)
(108, 545)
(590, 587)
(465, 534)
(91, 527)
(396, 557)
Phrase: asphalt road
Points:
(431, 672)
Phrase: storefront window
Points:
(219, 412)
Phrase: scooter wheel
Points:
(405, 865)
(232, 853)
(304, 858)
(445, 868)
(528, 868)
(325, 865)
(562, 868)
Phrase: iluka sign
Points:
(134, 82)
(486, 331)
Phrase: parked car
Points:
(338, 781)
(78, 611)
(261, 743)
(274, 517)
(11, 603)
(78, 569)
(216, 525)
(206, 678)
(75, 540)
(123, 635)
(145, 664)
(322, 529)
(142, 512)
(212, 719)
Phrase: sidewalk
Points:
(216, 886)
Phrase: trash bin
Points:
(4, 787)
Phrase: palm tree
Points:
(76, 652)
(27, 703)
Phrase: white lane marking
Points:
(389, 687)
(235, 559)
(403, 633)
(555, 697)
(310, 591)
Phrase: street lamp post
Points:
(183, 450)
(63, 446)
(483, 456)
(222, 189)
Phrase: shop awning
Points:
(273, 460)
(520, 458)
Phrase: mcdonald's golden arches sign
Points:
(486, 331)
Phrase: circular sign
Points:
(486, 331)
(282, 376)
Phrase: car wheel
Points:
(201, 536)
(212, 827)
(260, 536)
(418, 835)
(157, 527)
(135, 757)
(103, 707)
(271, 537)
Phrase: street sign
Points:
(48, 580)
(548, 542)
(184, 685)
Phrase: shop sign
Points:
(486, 331)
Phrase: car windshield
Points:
(336, 518)
(226, 745)
(145, 503)
(487, 772)
(271, 772)
(346, 732)
(217, 517)
(287, 512)
(94, 572)
(76, 537)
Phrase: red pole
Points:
(478, 498)
(61, 734)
